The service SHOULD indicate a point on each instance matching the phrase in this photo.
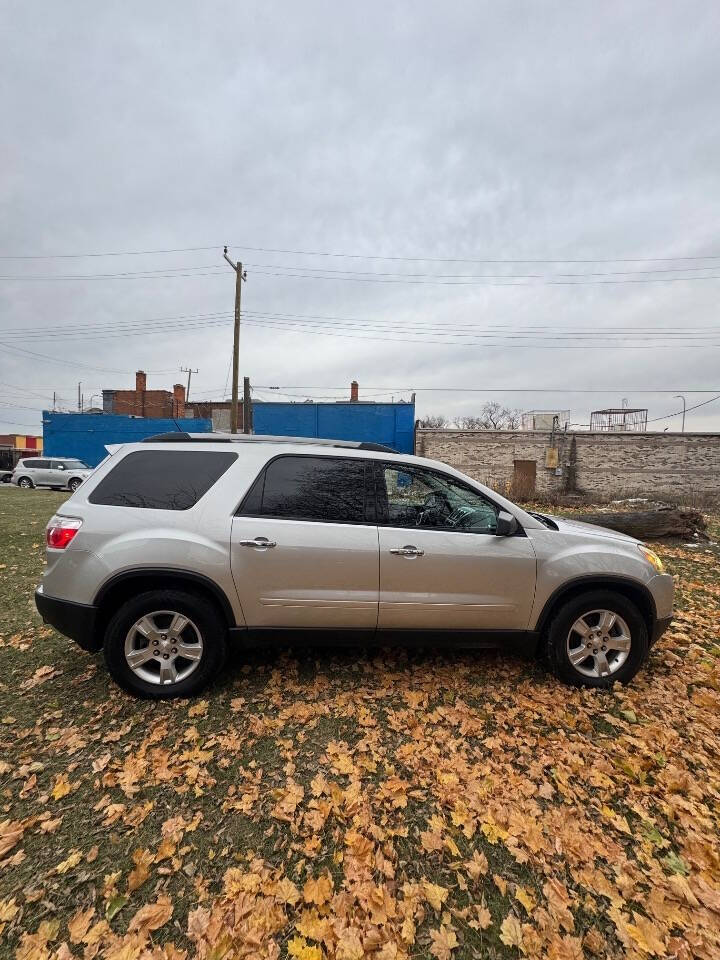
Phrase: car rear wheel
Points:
(26, 483)
(165, 643)
(597, 639)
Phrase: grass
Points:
(606, 800)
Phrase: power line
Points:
(74, 363)
(478, 283)
(474, 276)
(114, 253)
(92, 325)
(687, 409)
(277, 325)
(281, 270)
(356, 256)
(562, 388)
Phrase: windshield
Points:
(75, 465)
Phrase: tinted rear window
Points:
(161, 479)
(310, 488)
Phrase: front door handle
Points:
(260, 543)
(407, 551)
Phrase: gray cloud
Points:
(499, 131)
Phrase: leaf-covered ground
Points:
(346, 805)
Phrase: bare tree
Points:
(492, 416)
(433, 422)
(470, 423)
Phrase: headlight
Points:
(652, 558)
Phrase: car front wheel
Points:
(164, 644)
(74, 484)
(597, 639)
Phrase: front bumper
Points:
(77, 621)
(659, 628)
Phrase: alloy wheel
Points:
(163, 647)
(598, 643)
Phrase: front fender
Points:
(592, 563)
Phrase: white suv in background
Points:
(180, 544)
(63, 473)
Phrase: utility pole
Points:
(189, 372)
(679, 396)
(247, 407)
(240, 275)
(79, 397)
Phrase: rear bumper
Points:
(74, 620)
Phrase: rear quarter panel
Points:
(114, 540)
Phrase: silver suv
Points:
(63, 473)
(181, 544)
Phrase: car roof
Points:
(183, 437)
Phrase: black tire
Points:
(566, 616)
(74, 484)
(26, 483)
(203, 613)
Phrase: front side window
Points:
(73, 464)
(422, 498)
(329, 489)
(161, 479)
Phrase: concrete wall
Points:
(607, 463)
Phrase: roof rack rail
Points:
(182, 436)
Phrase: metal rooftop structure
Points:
(619, 420)
(544, 419)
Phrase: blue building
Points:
(85, 435)
(392, 424)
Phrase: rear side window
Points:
(28, 464)
(329, 489)
(161, 479)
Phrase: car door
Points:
(441, 565)
(304, 545)
(42, 473)
(57, 473)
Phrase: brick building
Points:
(21, 441)
(141, 402)
(611, 464)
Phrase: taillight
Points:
(61, 530)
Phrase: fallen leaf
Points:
(511, 932)
(443, 942)
(152, 916)
(435, 894)
(80, 924)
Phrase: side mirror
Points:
(506, 524)
(61, 466)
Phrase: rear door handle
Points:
(407, 551)
(259, 543)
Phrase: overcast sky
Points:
(461, 133)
